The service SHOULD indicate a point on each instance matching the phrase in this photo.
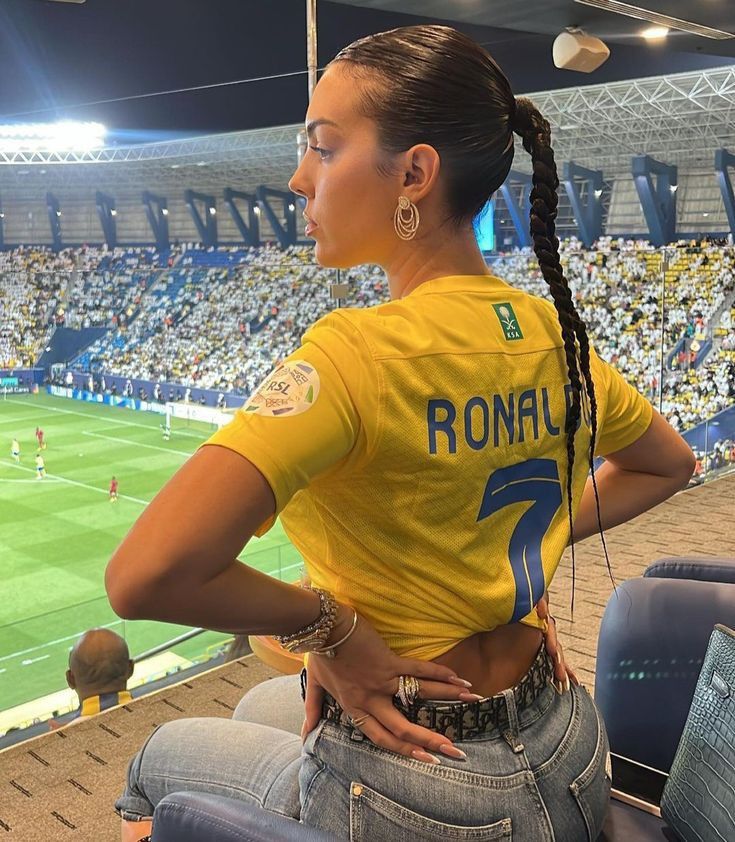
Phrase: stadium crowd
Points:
(34, 279)
(83, 287)
(225, 327)
(222, 318)
(617, 288)
(107, 289)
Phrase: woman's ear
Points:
(420, 172)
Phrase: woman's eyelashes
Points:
(323, 154)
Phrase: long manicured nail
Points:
(558, 687)
(425, 757)
(460, 681)
(566, 684)
(470, 697)
(558, 657)
(452, 751)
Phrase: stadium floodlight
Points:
(113, 212)
(64, 136)
(655, 33)
(292, 207)
(213, 211)
(164, 211)
(598, 193)
(256, 210)
(674, 188)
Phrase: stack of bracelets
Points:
(313, 638)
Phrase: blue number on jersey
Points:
(537, 481)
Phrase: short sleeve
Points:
(302, 420)
(627, 414)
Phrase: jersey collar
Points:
(458, 283)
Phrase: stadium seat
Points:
(626, 823)
(192, 817)
(653, 638)
(704, 569)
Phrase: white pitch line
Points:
(123, 496)
(106, 626)
(137, 444)
(52, 481)
(54, 642)
(83, 485)
(283, 569)
(29, 661)
(43, 407)
(19, 420)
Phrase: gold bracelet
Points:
(315, 635)
(329, 651)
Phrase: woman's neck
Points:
(434, 256)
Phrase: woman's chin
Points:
(330, 258)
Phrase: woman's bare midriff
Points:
(494, 660)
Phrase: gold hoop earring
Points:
(406, 219)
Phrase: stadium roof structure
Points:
(679, 119)
(619, 23)
(242, 160)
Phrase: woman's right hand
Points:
(363, 678)
(563, 673)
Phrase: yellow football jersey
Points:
(417, 455)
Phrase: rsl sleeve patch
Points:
(289, 390)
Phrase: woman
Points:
(428, 458)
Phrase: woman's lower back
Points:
(496, 659)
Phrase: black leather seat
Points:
(653, 638)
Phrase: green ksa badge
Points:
(508, 321)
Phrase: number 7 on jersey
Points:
(535, 481)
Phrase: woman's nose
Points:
(298, 183)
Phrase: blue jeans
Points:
(543, 779)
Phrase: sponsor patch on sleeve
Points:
(289, 390)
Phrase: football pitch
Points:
(57, 534)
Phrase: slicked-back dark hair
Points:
(434, 85)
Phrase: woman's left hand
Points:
(363, 678)
(563, 673)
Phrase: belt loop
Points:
(512, 735)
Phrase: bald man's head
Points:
(99, 663)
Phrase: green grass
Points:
(56, 535)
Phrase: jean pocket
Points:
(591, 789)
(374, 817)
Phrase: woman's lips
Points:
(310, 226)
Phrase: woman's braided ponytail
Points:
(535, 132)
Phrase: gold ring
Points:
(408, 690)
(361, 720)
